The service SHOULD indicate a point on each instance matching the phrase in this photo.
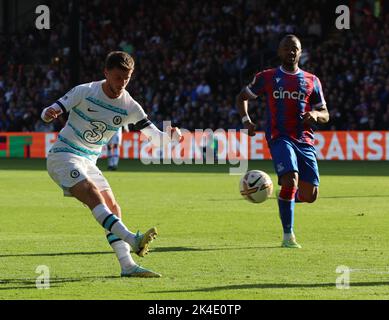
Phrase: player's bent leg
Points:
(87, 192)
(121, 248)
(129, 268)
(142, 242)
(307, 192)
(289, 180)
(139, 242)
(111, 202)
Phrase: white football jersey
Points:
(93, 119)
(117, 137)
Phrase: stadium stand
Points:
(192, 58)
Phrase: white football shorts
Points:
(67, 169)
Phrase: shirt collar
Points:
(291, 73)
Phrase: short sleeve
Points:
(257, 86)
(317, 96)
(71, 99)
(136, 112)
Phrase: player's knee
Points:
(311, 197)
(87, 192)
(93, 193)
(92, 188)
(315, 194)
(290, 180)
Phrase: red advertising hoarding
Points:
(330, 145)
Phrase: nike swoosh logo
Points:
(91, 110)
(253, 183)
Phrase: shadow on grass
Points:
(54, 254)
(349, 197)
(23, 287)
(275, 286)
(178, 249)
(320, 197)
(54, 282)
(153, 250)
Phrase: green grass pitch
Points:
(212, 243)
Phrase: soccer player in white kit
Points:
(113, 148)
(96, 111)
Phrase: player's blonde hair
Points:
(119, 59)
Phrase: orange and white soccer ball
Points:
(256, 186)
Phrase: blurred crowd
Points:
(193, 57)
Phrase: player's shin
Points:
(113, 224)
(286, 202)
(122, 251)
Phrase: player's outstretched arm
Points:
(242, 106)
(157, 137)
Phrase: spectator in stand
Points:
(193, 56)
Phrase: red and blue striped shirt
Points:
(288, 97)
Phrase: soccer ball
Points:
(256, 186)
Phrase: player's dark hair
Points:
(289, 37)
(119, 59)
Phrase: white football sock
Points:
(113, 224)
(122, 251)
(289, 236)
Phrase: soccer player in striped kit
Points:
(294, 104)
(96, 111)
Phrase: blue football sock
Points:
(286, 208)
